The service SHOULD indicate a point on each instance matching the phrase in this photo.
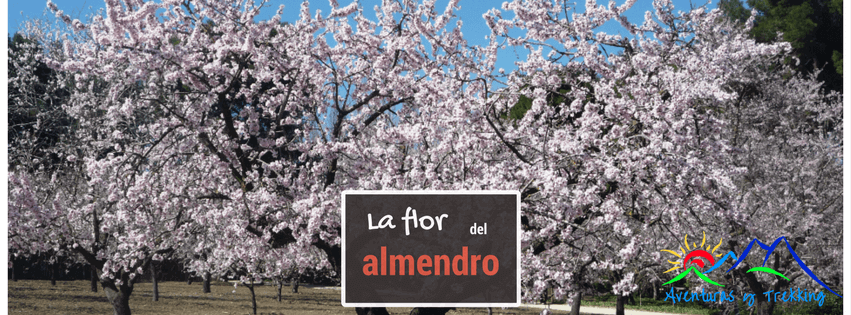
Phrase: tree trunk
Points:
(619, 309)
(206, 283)
(94, 278)
(334, 253)
(156, 287)
(250, 286)
(431, 310)
(12, 272)
(52, 268)
(280, 286)
(119, 297)
(371, 311)
(294, 284)
(577, 300)
(655, 290)
(762, 305)
(188, 278)
(765, 308)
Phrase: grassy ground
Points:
(75, 297)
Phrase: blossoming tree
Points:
(197, 115)
(631, 140)
(789, 133)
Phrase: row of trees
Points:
(190, 129)
(813, 28)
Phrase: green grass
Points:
(74, 298)
(832, 306)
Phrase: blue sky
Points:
(470, 13)
(471, 10)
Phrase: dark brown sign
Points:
(431, 248)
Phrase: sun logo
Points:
(694, 256)
(691, 254)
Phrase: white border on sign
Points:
(425, 192)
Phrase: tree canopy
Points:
(814, 28)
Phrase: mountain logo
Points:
(694, 258)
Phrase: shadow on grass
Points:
(64, 297)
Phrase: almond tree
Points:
(198, 115)
(250, 260)
(789, 133)
(626, 140)
(38, 126)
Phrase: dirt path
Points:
(595, 310)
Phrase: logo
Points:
(693, 257)
(430, 248)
